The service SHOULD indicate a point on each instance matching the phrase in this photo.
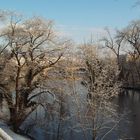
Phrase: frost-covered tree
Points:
(33, 47)
(102, 85)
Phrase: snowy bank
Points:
(7, 134)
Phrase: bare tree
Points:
(33, 48)
(101, 82)
(114, 44)
(131, 35)
(131, 38)
(137, 3)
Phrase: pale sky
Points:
(78, 19)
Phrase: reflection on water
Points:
(129, 103)
(69, 126)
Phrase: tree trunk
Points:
(14, 119)
(17, 118)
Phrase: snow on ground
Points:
(11, 135)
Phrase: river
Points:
(68, 126)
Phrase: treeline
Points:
(126, 47)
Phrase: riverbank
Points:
(135, 87)
(7, 134)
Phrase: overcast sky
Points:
(78, 19)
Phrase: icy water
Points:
(129, 127)
(71, 126)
